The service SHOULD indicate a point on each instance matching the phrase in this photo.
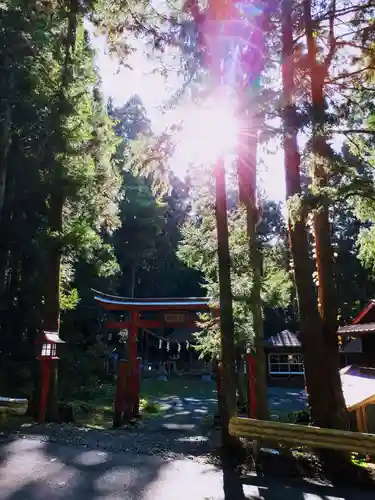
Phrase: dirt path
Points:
(36, 469)
(192, 414)
(166, 457)
(182, 429)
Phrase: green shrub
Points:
(149, 406)
(300, 417)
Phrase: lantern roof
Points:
(52, 337)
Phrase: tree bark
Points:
(327, 296)
(5, 143)
(5, 132)
(246, 167)
(51, 318)
(228, 400)
(318, 372)
(132, 285)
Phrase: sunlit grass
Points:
(362, 461)
(181, 387)
(97, 412)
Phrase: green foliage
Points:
(149, 407)
(358, 155)
(61, 145)
(198, 249)
(276, 282)
(123, 212)
(151, 217)
(70, 300)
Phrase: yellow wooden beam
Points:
(314, 437)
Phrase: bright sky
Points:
(213, 125)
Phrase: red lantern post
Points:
(47, 354)
(137, 388)
(219, 382)
(252, 393)
(132, 375)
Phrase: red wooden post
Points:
(219, 383)
(132, 383)
(137, 388)
(120, 392)
(133, 332)
(46, 375)
(252, 393)
(128, 397)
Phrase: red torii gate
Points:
(175, 312)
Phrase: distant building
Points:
(285, 359)
(362, 328)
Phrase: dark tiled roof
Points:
(284, 339)
(167, 301)
(359, 328)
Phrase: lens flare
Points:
(207, 133)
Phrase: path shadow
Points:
(232, 483)
(36, 470)
(273, 489)
(185, 414)
(286, 483)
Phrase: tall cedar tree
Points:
(320, 377)
(327, 297)
(228, 403)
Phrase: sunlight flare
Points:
(207, 133)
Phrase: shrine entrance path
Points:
(184, 414)
(182, 427)
(184, 405)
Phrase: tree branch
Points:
(355, 131)
(332, 42)
(349, 75)
(346, 10)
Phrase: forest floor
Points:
(171, 453)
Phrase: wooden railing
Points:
(314, 437)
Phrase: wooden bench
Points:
(12, 406)
(314, 437)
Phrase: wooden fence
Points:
(314, 437)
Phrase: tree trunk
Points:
(5, 143)
(228, 400)
(5, 241)
(51, 318)
(132, 285)
(318, 371)
(247, 158)
(327, 296)
(5, 131)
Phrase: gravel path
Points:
(168, 457)
(33, 469)
(182, 430)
